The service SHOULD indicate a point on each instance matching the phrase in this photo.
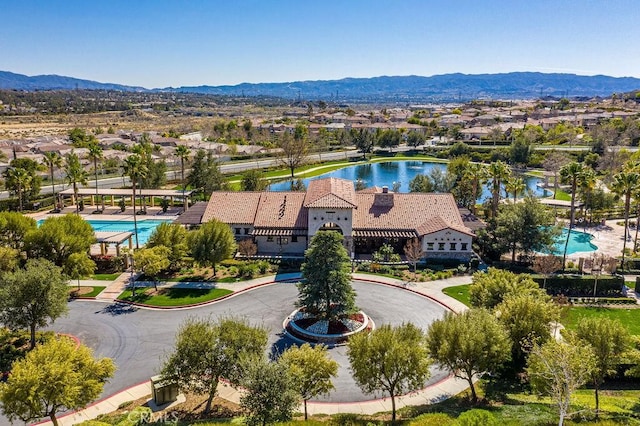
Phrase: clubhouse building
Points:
(282, 223)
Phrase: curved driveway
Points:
(137, 339)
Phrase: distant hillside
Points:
(9, 80)
(516, 85)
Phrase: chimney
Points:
(384, 198)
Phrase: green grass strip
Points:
(174, 296)
(93, 293)
(458, 292)
(105, 277)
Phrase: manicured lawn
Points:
(562, 196)
(105, 277)
(85, 291)
(458, 292)
(173, 296)
(630, 318)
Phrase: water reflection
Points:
(386, 173)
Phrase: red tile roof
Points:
(281, 210)
(417, 213)
(232, 207)
(424, 213)
(330, 193)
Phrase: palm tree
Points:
(183, 152)
(498, 172)
(75, 174)
(95, 154)
(515, 186)
(477, 174)
(573, 174)
(53, 160)
(135, 168)
(624, 184)
(20, 180)
(587, 185)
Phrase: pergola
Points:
(117, 238)
(101, 193)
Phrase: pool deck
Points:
(609, 239)
(112, 213)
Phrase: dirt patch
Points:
(191, 409)
(79, 292)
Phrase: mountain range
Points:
(515, 85)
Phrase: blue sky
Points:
(214, 42)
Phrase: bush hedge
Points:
(576, 286)
(603, 300)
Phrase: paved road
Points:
(137, 338)
(227, 168)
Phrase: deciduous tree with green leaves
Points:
(609, 340)
(526, 227)
(252, 180)
(207, 350)
(527, 318)
(205, 173)
(58, 375)
(14, 228)
(33, 297)
(174, 237)
(393, 360)
(294, 150)
(152, 261)
(326, 289)
(212, 243)
(421, 183)
(78, 265)
(311, 369)
(557, 369)
(270, 393)
(488, 289)
(469, 344)
(58, 237)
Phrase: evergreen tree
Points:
(326, 287)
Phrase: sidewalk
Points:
(435, 393)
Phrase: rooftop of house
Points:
(373, 209)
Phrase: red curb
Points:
(450, 376)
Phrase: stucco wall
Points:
(341, 217)
(266, 246)
(439, 245)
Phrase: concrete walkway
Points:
(437, 392)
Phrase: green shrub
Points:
(402, 267)
(476, 417)
(432, 419)
(93, 423)
(248, 270)
(576, 286)
(264, 266)
(137, 416)
(231, 262)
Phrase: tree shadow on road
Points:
(282, 344)
(118, 308)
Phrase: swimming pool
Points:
(145, 227)
(579, 242)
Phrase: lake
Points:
(387, 173)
